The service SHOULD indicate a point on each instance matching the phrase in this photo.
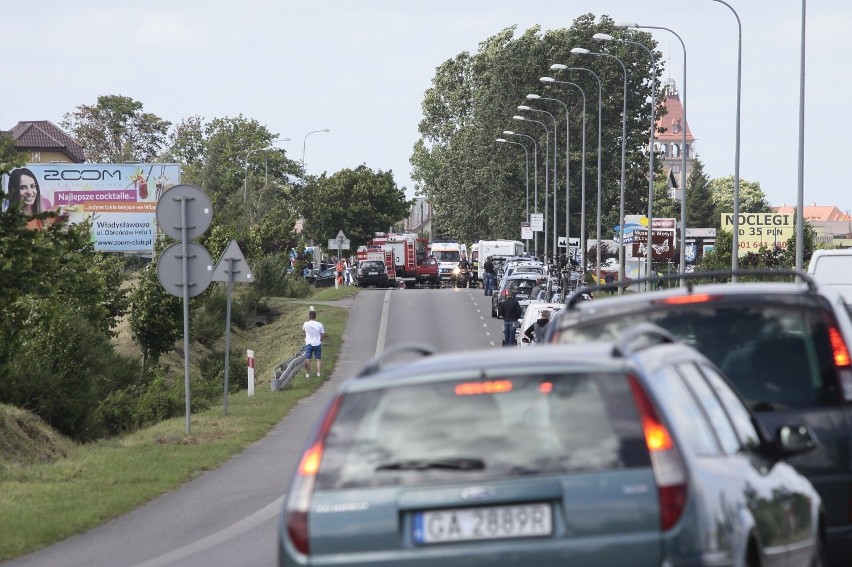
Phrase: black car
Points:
(372, 273)
(518, 286)
(323, 279)
(783, 344)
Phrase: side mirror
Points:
(794, 440)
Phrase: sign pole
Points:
(186, 284)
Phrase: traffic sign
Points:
(199, 268)
(537, 222)
(199, 212)
(232, 266)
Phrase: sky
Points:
(360, 69)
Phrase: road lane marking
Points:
(383, 324)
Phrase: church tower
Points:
(669, 143)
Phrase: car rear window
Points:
(777, 355)
(477, 430)
(372, 264)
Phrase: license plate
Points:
(493, 522)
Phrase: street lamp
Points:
(546, 178)
(555, 183)
(527, 161)
(735, 256)
(251, 151)
(535, 179)
(550, 80)
(567, 174)
(649, 250)
(683, 152)
(582, 51)
(304, 143)
(561, 67)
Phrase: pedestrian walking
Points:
(535, 332)
(347, 272)
(314, 334)
(510, 310)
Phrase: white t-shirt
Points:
(313, 332)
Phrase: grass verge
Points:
(93, 483)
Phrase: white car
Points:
(531, 314)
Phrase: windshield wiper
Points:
(450, 463)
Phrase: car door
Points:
(777, 496)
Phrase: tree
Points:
(156, 319)
(752, 198)
(477, 188)
(357, 201)
(116, 130)
(701, 211)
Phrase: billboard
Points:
(761, 230)
(120, 200)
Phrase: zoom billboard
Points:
(119, 200)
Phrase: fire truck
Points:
(408, 251)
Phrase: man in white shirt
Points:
(314, 333)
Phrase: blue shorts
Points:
(316, 351)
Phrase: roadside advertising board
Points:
(120, 200)
(759, 230)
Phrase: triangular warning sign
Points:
(232, 266)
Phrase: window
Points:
(737, 412)
(713, 409)
(687, 415)
(539, 424)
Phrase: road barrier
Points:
(285, 371)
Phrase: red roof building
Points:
(669, 135)
(41, 141)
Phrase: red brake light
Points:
(489, 387)
(665, 458)
(838, 348)
(684, 299)
(302, 487)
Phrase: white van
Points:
(833, 268)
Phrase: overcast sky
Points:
(360, 68)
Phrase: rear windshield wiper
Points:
(460, 464)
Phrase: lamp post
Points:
(305, 142)
(683, 149)
(555, 183)
(248, 155)
(649, 249)
(561, 67)
(567, 174)
(735, 259)
(527, 161)
(546, 178)
(535, 180)
(800, 199)
(550, 80)
(582, 51)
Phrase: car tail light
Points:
(505, 293)
(302, 487)
(666, 462)
(684, 299)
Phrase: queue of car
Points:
(695, 424)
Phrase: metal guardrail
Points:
(285, 371)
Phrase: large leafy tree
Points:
(235, 161)
(116, 130)
(477, 188)
(357, 201)
(752, 197)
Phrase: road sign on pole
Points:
(184, 212)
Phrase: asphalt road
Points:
(229, 516)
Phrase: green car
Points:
(630, 452)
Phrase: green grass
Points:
(93, 483)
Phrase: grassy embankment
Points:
(52, 488)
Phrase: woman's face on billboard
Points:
(28, 190)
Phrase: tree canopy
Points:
(359, 201)
(478, 188)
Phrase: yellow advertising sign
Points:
(761, 230)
